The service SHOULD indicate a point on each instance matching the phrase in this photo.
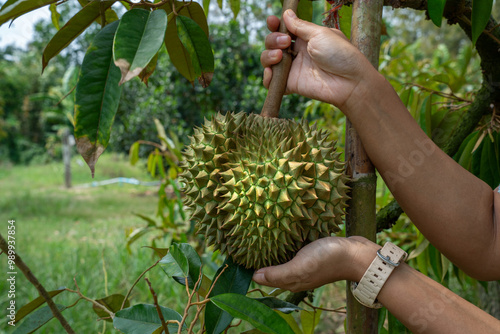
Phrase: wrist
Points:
(362, 252)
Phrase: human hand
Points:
(327, 66)
(323, 261)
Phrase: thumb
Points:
(300, 28)
(280, 276)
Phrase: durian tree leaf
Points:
(194, 11)
(196, 42)
(345, 14)
(291, 322)
(425, 119)
(73, 28)
(149, 70)
(138, 38)
(435, 261)
(309, 320)
(143, 319)
(194, 263)
(489, 170)
(36, 320)
(235, 7)
(252, 311)
(436, 10)
(464, 154)
(305, 10)
(110, 16)
(220, 2)
(206, 7)
(54, 16)
(34, 304)
(134, 153)
(97, 97)
(112, 303)
(178, 54)
(161, 252)
(278, 304)
(234, 279)
(15, 8)
(395, 326)
(175, 263)
(481, 11)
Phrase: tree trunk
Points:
(361, 215)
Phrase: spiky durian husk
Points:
(261, 188)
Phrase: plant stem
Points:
(158, 309)
(277, 87)
(41, 290)
(136, 281)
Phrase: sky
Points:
(21, 30)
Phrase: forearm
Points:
(424, 306)
(452, 207)
(420, 303)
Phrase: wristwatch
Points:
(368, 288)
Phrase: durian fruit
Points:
(261, 188)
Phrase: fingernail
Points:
(291, 13)
(274, 53)
(283, 40)
(259, 277)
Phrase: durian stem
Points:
(278, 83)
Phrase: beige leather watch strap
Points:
(368, 288)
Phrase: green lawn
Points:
(65, 233)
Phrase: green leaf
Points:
(436, 10)
(34, 304)
(234, 279)
(309, 320)
(345, 14)
(481, 12)
(395, 326)
(382, 314)
(138, 38)
(143, 318)
(435, 261)
(305, 10)
(97, 97)
(291, 322)
(175, 263)
(464, 154)
(72, 29)
(489, 165)
(206, 7)
(178, 54)
(197, 45)
(54, 15)
(248, 309)
(15, 8)
(417, 251)
(235, 7)
(149, 70)
(194, 261)
(426, 116)
(113, 303)
(36, 320)
(134, 153)
(194, 11)
(219, 2)
(161, 252)
(278, 304)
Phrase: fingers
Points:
(273, 23)
(282, 276)
(302, 29)
(277, 40)
(268, 74)
(270, 57)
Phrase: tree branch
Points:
(33, 280)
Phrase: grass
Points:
(79, 232)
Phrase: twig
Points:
(65, 96)
(450, 96)
(97, 304)
(136, 281)
(158, 309)
(41, 290)
(486, 32)
(235, 325)
(338, 309)
(258, 290)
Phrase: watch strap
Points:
(368, 288)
